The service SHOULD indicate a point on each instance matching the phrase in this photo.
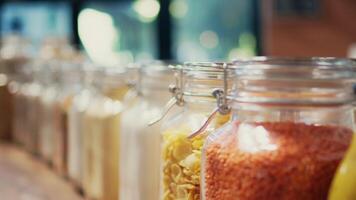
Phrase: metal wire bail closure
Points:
(222, 104)
(177, 90)
(221, 95)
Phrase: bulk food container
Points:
(14, 54)
(32, 92)
(101, 135)
(15, 86)
(69, 85)
(292, 122)
(48, 100)
(139, 143)
(5, 102)
(115, 89)
(183, 135)
(76, 126)
(53, 52)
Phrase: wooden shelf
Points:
(24, 177)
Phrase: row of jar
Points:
(263, 128)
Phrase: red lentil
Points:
(300, 167)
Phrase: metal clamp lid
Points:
(220, 94)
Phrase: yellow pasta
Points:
(181, 162)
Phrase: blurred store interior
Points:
(112, 31)
(115, 33)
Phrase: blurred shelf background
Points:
(141, 29)
(131, 30)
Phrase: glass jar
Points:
(5, 103)
(69, 73)
(14, 54)
(115, 89)
(76, 125)
(101, 139)
(17, 81)
(32, 92)
(291, 126)
(19, 87)
(139, 143)
(48, 101)
(181, 152)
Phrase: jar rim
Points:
(211, 68)
(322, 67)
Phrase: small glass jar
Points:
(139, 143)
(19, 87)
(14, 54)
(48, 101)
(181, 146)
(292, 123)
(32, 92)
(115, 89)
(5, 103)
(76, 125)
(69, 85)
(101, 139)
(15, 88)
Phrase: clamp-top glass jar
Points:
(76, 125)
(32, 92)
(140, 143)
(183, 135)
(48, 101)
(101, 136)
(69, 86)
(292, 124)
